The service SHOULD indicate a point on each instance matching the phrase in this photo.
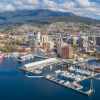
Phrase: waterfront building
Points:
(67, 52)
(40, 63)
(59, 46)
(49, 45)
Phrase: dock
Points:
(67, 86)
(34, 76)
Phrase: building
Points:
(43, 47)
(67, 52)
(37, 36)
(44, 39)
(98, 40)
(49, 45)
(83, 44)
(73, 40)
(33, 43)
(59, 46)
(92, 38)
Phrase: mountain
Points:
(67, 19)
(24, 16)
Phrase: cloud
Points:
(18, 3)
(6, 7)
(79, 7)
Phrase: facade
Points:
(92, 38)
(98, 40)
(40, 63)
(83, 45)
(43, 47)
(67, 52)
(59, 46)
(44, 39)
(33, 43)
(73, 40)
(37, 35)
(49, 45)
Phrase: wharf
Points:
(89, 77)
(41, 56)
(85, 93)
(34, 76)
(33, 69)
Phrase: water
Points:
(15, 86)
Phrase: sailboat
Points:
(50, 66)
(91, 88)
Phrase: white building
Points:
(39, 63)
(37, 35)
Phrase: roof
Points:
(40, 62)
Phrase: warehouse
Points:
(40, 63)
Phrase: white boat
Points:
(66, 83)
(48, 76)
(62, 81)
(52, 78)
(58, 71)
(38, 72)
(41, 67)
(50, 66)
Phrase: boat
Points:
(48, 76)
(66, 83)
(97, 69)
(50, 66)
(52, 78)
(26, 57)
(91, 88)
(58, 71)
(1, 57)
(38, 72)
(62, 81)
(41, 67)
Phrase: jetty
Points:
(34, 76)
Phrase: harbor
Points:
(75, 74)
(65, 84)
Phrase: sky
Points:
(85, 8)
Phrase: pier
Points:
(68, 86)
(34, 76)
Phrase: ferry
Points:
(1, 57)
(26, 57)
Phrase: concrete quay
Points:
(67, 86)
(34, 76)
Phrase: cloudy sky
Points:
(86, 8)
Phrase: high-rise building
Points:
(73, 40)
(37, 35)
(33, 43)
(92, 38)
(67, 52)
(49, 45)
(98, 40)
(59, 46)
(44, 39)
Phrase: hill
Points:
(68, 19)
(19, 17)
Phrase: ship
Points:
(1, 57)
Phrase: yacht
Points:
(1, 57)
(48, 76)
(62, 81)
(50, 66)
(58, 71)
(52, 78)
(41, 67)
(38, 72)
(66, 83)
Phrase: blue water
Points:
(15, 86)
